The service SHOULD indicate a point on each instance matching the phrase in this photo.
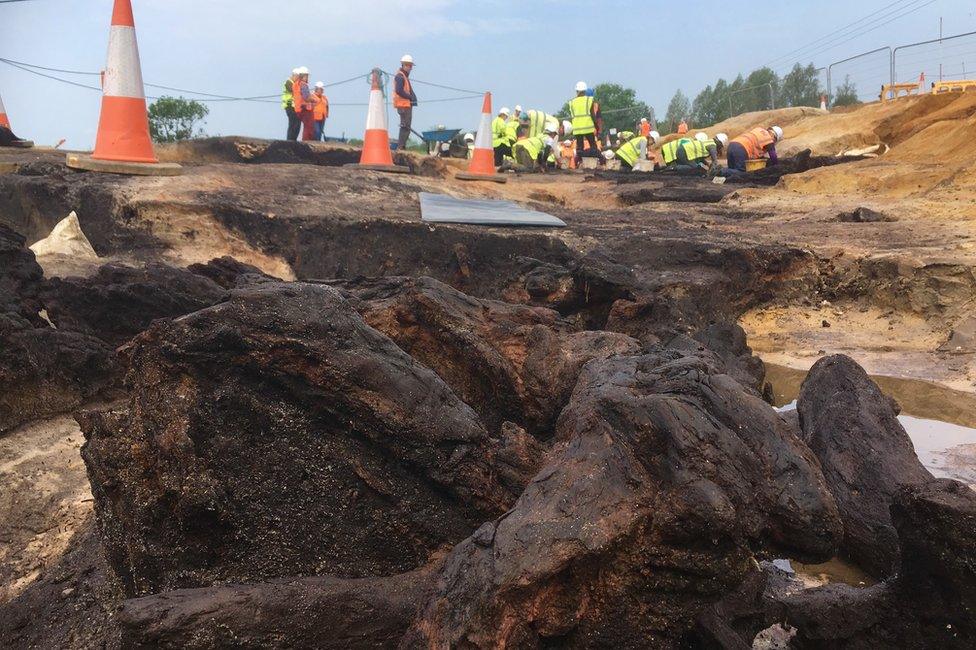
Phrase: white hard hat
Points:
(701, 136)
(608, 154)
(303, 70)
(581, 86)
(406, 58)
(469, 137)
(296, 70)
(778, 132)
(504, 111)
(319, 84)
(567, 143)
(721, 137)
(552, 128)
(518, 108)
(643, 119)
(567, 127)
(655, 136)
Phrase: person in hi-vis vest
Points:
(404, 99)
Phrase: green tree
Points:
(172, 119)
(846, 93)
(679, 108)
(620, 107)
(801, 87)
(763, 87)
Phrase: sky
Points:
(528, 52)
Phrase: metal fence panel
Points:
(948, 58)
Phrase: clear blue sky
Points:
(526, 52)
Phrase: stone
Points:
(865, 453)
(664, 479)
(276, 434)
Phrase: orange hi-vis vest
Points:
(321, 110)
(400, 102)
(300, 104)
(755, 142)
(645, 129)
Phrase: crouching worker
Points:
(634, 149)
(702, 153)
(532, 154)
(755, 144)
(499, 136)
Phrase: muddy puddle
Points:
(940, 421)
(836, 570)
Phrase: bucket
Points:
(755, 165)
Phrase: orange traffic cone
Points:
(376, 143)
(482, 167)
(4, 122)
(123, 144)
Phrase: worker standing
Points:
(288, 103)
(499, 136)
(320, 110)
(752, 145)
(583, 116)
(469, 143)
(404, 99)
(645, 127)
(304, 106)
(683, 127)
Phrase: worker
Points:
(645, 127)
(531, 153)
(597, 113)
(584, 116)
(499, 136)
(404, 99)
(304, 106)
(683, 127)
(669, 151)
(752, 145)
(288, 103)
(696, 152)
(539, 121)
(567, 154)
(320, 110)
(631, 151)
(469, 143)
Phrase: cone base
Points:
(21, 144)
(87, 163)
(494, 178)
(396, 169)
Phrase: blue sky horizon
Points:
(529, 53)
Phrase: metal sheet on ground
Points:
(441, 208)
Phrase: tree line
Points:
(761, 90)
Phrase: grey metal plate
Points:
(441, 208)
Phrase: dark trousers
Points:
(501, 151)
(308, 125)
(737, 156)
(591, 153)
(406, 120)
(294, 124)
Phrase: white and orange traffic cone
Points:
(123, 144)
(5, 122)
(377, 154)
(482, 167)
(3, 115)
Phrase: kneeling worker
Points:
(669, 152)
(499, 136)
(755, 144)
(531, 154)
(634, 149)
(695, 153)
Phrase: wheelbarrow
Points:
(437, 138)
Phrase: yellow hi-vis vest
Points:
(629, 151)
(511, 131)
(669, 152)
(537, 122)
(581, 110)
(534, 146)
(695, 150)
(287, 98)
(499, 132)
